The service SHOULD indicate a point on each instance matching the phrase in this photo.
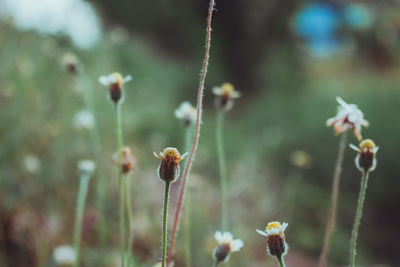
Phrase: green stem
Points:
(187, 204)
(281, 261)
(118, 118)
(130, 221)
(165, 222)
(361, 199)
(80, 207)
(222, 169)
(334, 200)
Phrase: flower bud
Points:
(225, 95)
(365, 160)
(275, 233)
(115, 83)
(128, 162)
(168, 171)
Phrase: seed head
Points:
(275, 233)
(226, 245)
(225, 96)
(168, 171)
(115, 83)
(365, 159)
(128, 161)
(186, 113)
(348, 116)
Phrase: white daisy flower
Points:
(366, 160)
(225, 96)
(226, 245)
(64, 255)
(83, 119)
(186, 113)
(348, 116)
(115, 82)
(275, 233)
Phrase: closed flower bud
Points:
(128, 162)
(168, 171)
(365, 160)
(225, 96)
(115, 83)
(275, 233)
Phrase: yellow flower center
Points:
(227, 88)
(271, 225)
(367, 145)
(120, 79)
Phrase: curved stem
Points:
(187, 206)
(222, 170)
(334, 200)
(118, 119)
(360, 204)
(130, 220)
(80, 207)
(197, 131)
(281, 261)
(165, 222)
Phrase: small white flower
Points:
(348, 116)
(226, 245)
(225, 96)
(365, 159)
(32, 163)
(86, 166)
(64, 255)
(273, 228)
(114, 78)
(186, 113)
(83, 119)
(275, 233)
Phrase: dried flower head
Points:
(366, 160)
(275, 233)
(128, 162)
(168, 171)
(115, 82)
(348, 116)
(186, 113)
(70, 61)
(225, 96)
(86, 167)
(83, 119)
(226, 245)
(64, 255)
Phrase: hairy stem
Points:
(334, 200)
(130, 221)
(187, 205)
(197, 131)
(222, 170)
(281, 261)
(165, 223)
(80, 207)
(360, 204)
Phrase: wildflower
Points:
(83, 119)
(168, 170)
(276, 244)
(226, 245)
(128, 162)
(64, 255)
(32, 163)
(186, 113)
(115, 82)
(86, 167)
(348, 116)
(225, 95)
(70, 61)
(365, 160)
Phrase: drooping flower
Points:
(64, 255)
(168, 170)
(348, 116)
(128, 162)
(226, 245)
(276, 243)
(115, 82)
(225, 96)
(365, 159)
(83, 119)
(186, 113)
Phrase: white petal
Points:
(227, 237)
(356, 148)
(218, 237)
(236, 245)
(104, 80)
(127, 78)
(217, 90)
(261, 232)
(283, 227)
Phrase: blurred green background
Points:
(289, 59)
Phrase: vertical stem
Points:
(80, 207)
(130, 220)
(334, 200)
(118, 119)
(165, 222)
(187, 205)
(360, 204)
(281, 261)
(197, 130)
(222, 169)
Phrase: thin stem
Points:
(130, 220)
(222, 170)
(334, 200)
(118, 119)
(281, 261)
(360, 204)
(165, 222)
(80, 207)
(187, 205)
(197, 131)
